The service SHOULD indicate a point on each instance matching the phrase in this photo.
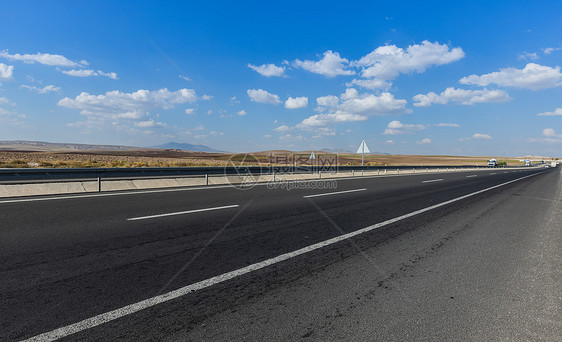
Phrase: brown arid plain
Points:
(179, 158)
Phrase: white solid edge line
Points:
(78, 196)
(333, 193)
(493, 173)
(182, 212)
(203, 187)
(147, 303)
(471, 176)
(432, 180)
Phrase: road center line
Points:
(433, 180)
(333, 193)
(471, 176)
(182, 212)
(150, 302)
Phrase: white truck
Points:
(493, 162)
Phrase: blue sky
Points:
(471, 78)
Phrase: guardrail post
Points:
(206, 179)
(413, 170)
(320, 174)
(99, 184)
(378, 172)
(385, 171)
(361, 172)
(274, 176)
(397, 171)
(352, 173)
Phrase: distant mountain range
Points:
(186, 147)
(43, 146)
(29, 145)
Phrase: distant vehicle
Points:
(527, 163)
(493, 162)
(553, 164)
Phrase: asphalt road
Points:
(486, 267)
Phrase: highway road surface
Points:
(443, 257)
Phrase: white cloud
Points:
(89, 73)
(4, 100)
(297, 102)
(461, 96)
(372, 84)
(367, 104)
(384, 63)
(370, 104)
(242, 112)
(79, 72)
(397, 127)
(550, 137)
(389, 142)
(43, 58)
(329, 101)
(9, 116)
(262, 96)
(111, 75)
(388, 61)
(532, 76)
(268, 70)
(330, 65)
(351, 106)
(557, 112)
(447, 125)
(424, 141)
(283, 128)
(526, 55)
(479, 136)
(549, 132)
(549, 50)
(149, 123)
(115, 106)
(190, 111)
(291, 137)
(324, 131)
(44, 90)
(234, 100)
(6, 71)
(322, 120)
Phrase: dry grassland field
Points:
(180, 158)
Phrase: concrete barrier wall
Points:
(52, 188)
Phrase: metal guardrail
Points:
(50, 175)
